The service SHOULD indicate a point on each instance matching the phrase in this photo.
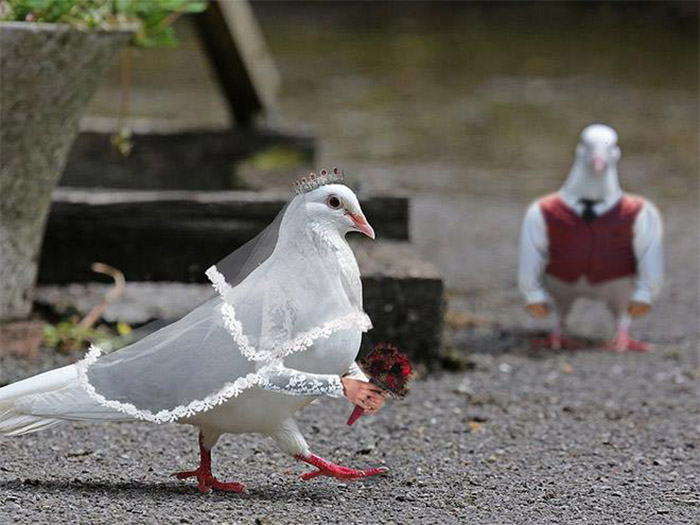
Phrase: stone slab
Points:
(175, 159)
(403, 295)
(169, 235)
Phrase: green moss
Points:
(275, 158)
(151, 18)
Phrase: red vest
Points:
(600, 251)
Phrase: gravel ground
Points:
(586, 437)
(519, 437)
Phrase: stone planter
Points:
(49, 72)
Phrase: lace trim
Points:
(218, 282)
(276, 378)
(300, 384)
(301, 342)
(228, 391)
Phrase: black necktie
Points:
(589, 213)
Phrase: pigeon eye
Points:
(333, 202)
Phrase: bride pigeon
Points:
(284, 329)
(592, 240)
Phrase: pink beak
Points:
(599, 165)
(361, 224)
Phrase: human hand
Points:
(538, 310)
(637, 309)
(365, 395)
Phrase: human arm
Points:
(534, 246)
(276, 377)
(648, 250)
(354, 386)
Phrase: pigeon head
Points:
(594, 172)
(597, 148)
(335, 206)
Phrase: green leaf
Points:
(153, 18)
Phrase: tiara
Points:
(305, 185)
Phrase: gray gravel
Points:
(587, 437)
(521, 437)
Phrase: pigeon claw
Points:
(326, 468)
(207, 482)
(624, 344)
(555, 342)
(344, 474)
(224, 486)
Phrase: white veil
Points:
(277, 294)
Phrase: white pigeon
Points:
(246, 392)
(592, 240)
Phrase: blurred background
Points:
(473, 110)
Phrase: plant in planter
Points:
(54, 53)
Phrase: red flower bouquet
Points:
(389, 370)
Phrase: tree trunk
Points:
(49, 73)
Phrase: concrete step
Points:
(173, 236)
(174, 158)
(403, 296)
(155, 235)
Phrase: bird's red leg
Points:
(555, 341)
(206, 479)
(326, 468)
(624, 342)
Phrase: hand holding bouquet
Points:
(387, 369)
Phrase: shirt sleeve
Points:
(534, 247)
(648, 249)
(355, 372)
(278, 378)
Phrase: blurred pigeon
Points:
(284, 329)
(592, 240)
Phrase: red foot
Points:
(206, 480)
(326, 468)
(555, 342)
(624, 344)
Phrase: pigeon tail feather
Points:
(47, 400)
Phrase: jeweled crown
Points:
(313, 181)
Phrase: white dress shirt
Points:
(647, 244)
